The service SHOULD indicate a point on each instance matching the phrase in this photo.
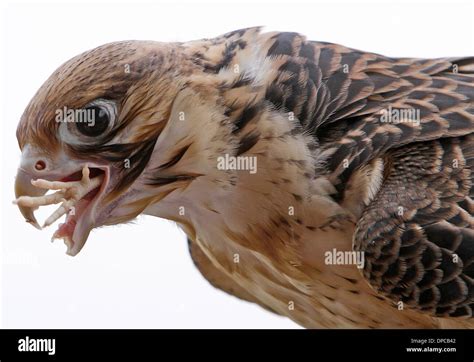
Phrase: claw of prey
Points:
(68, 194)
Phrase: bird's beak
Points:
(23, 187)
(77, 187)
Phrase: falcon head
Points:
(122, 112)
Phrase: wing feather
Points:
(417, 234)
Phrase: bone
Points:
(68, 195)
(29, 201)
(63, 209)
(54, 185)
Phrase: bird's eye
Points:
(95, 121)
(89, 124)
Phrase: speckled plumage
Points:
(332, 173)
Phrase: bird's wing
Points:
(417, 234)
(339, 94)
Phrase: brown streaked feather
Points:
(417, 234)
(332, 89)
(310, 113)
(337, 94)
(217, 278)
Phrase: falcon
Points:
(326, 184)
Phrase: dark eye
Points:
(94, 121)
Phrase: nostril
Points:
(40, 165)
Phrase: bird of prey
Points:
(326, 184)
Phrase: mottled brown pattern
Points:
(331, 174)
(420, 245)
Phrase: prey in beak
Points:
(89, 135)
(77, 196)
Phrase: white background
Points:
(140, 275)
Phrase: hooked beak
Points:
(79, 187)
(23, 187)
